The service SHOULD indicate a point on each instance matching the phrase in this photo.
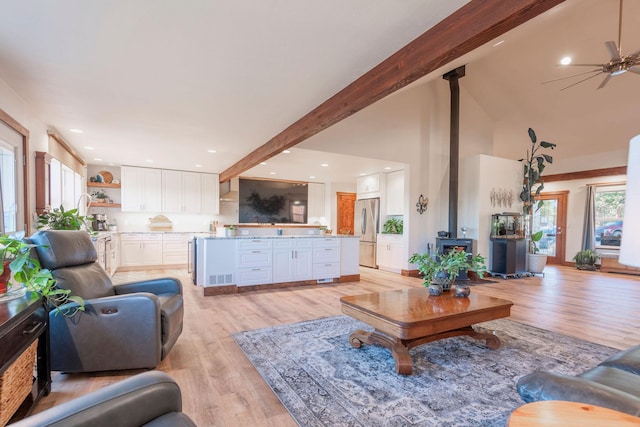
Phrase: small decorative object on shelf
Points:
(461, 290)
(422, 204)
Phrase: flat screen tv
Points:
(274, 202)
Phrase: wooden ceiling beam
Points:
(471, 26)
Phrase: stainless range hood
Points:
(229, 191)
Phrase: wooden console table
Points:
(24, 321)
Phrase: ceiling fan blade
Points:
(578, 82)
(613, 50)
(635, 69)
(636, 53)
(580, 65)
(605, 81)
(572, 75)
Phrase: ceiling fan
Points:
(618, 64)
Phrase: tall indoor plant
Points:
(532, 186)
(534, 164)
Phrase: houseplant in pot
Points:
(393, 226)
(532, 186)
(61, 219)
(586, 260)
(440, 270)
(536, 260)
(19, 263)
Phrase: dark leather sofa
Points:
(127, 326)
(151, 399)
(614, 384)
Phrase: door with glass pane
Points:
(551, 218)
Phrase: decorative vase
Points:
(461, 290)
(4, 277)
(435, 289)
(442, 278)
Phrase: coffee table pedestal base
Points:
(400, 347)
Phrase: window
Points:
(609, 210)
(8, 189)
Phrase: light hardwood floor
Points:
(221, 388)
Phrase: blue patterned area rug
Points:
(323, 381)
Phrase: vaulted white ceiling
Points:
(168, 81)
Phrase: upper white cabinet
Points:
(395, 193)
(141, 189)
(316, 202)
(170, 191)
(181, 192)
(210, 192)
(368, 186)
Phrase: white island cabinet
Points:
(243, 263)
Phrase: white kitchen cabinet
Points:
(140, 249)
(368, 186)
(390, 252)
(115, 254)
(292, 260)
(210, 187)
(326, 258)
(349, 256)
(189, 192)
(316, 202)
(141, 189)
(395, 193)
(254, 262)
(175, 248)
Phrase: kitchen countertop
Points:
(290, 236)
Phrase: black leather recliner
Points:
(150, 399)
(127, 326)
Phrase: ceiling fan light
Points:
(618, 69)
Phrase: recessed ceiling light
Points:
(211, 151)
(312, 177)
(272, 173)
(149, 161)
(198, 166)
(263, 163)
(286, 152)
(566, 60)
(89, 148)
(498, 43)
(97, 159)
(387, 168)
(362, 174)
(75, 130)
(324, 165)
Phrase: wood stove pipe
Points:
(454, 146)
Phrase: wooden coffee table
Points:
(407, 318)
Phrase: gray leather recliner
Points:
(128, 326)
(150, 399)
(613, 384)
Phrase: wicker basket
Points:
(16, 383)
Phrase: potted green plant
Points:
(100, 196)
(534, 164)
(442, 269)
(18, 262)
(536, 260)
(586, 260)
(393, 226)
(61, 219)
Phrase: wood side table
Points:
(557, 413)
(23, 321)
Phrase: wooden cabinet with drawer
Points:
(24, 325)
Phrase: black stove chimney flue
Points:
(454, 146)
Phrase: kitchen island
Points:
(233, 264)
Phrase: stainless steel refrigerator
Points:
(367, 213)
